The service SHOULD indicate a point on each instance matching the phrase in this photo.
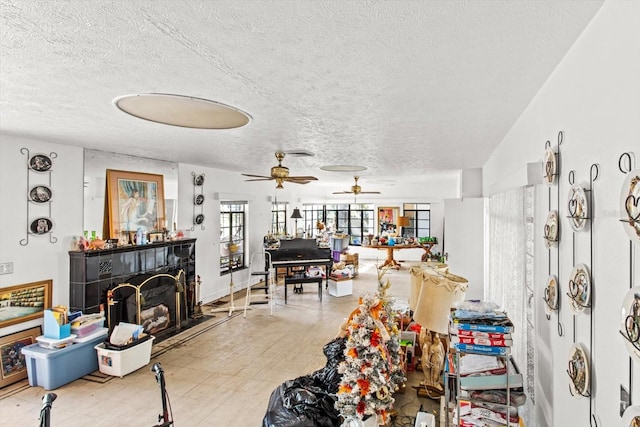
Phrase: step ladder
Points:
(260, 268)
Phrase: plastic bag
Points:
(309, 400)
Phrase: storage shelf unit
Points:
(506, 360)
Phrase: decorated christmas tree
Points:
(371, 371)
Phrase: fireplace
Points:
(94, 273)
(155, 301)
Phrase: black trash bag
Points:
(308, 401)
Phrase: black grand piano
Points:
(296, 256)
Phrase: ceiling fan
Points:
(281, 174)
(356, 189)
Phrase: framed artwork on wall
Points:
(133, 201)
(13, 367)
(388, 220)
(24, 302)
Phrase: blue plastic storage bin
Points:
(51, 369)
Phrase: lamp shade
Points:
(403, 221)
(438, 293)
(296, 214)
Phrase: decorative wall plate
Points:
(550, 168)
(578, 371)
(199, 199)
(631, 417)
(630, 205)
(551, 295)
(40, 194)
(199, 219)
(40, 162)
(551, 229)
(41, 226)
(198, 179)
(630, 322)
(578, 208)
(579, 289)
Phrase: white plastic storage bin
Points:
(119, 363)
(424, 419)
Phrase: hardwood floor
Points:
(221, 372)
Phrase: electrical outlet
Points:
(625, 399)
(6, 268)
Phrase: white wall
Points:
(39, 259)
(464, 244)
(78, 204)
(96, 164)
(221, 186)
(594, 97)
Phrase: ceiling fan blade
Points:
(301, 178)
(298, 182)
(257, 176)
(369, 192)
(259, 179)
(343, 192)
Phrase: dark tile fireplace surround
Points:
(92, 273)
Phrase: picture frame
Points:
(13, 366)
(25, 302)
(133, 200)
(388, 220)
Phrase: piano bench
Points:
(300, 280)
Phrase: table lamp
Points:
(296, 215)
(403, 221)
(439, 291)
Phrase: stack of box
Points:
(350, 259)
(483, 342)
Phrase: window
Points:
(337, 218)
(278, 218)
(311, 215)
(361, 224)
(232, 236)
(419, 215)
(356, 220)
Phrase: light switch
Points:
(6, 268)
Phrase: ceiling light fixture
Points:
(183, 111)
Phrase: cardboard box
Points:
(340, 287)
(348, 257)
(119, 363)
(51, 369)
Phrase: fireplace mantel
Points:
(91, 273)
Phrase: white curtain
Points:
(510, 275)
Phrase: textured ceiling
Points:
(402, 87)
